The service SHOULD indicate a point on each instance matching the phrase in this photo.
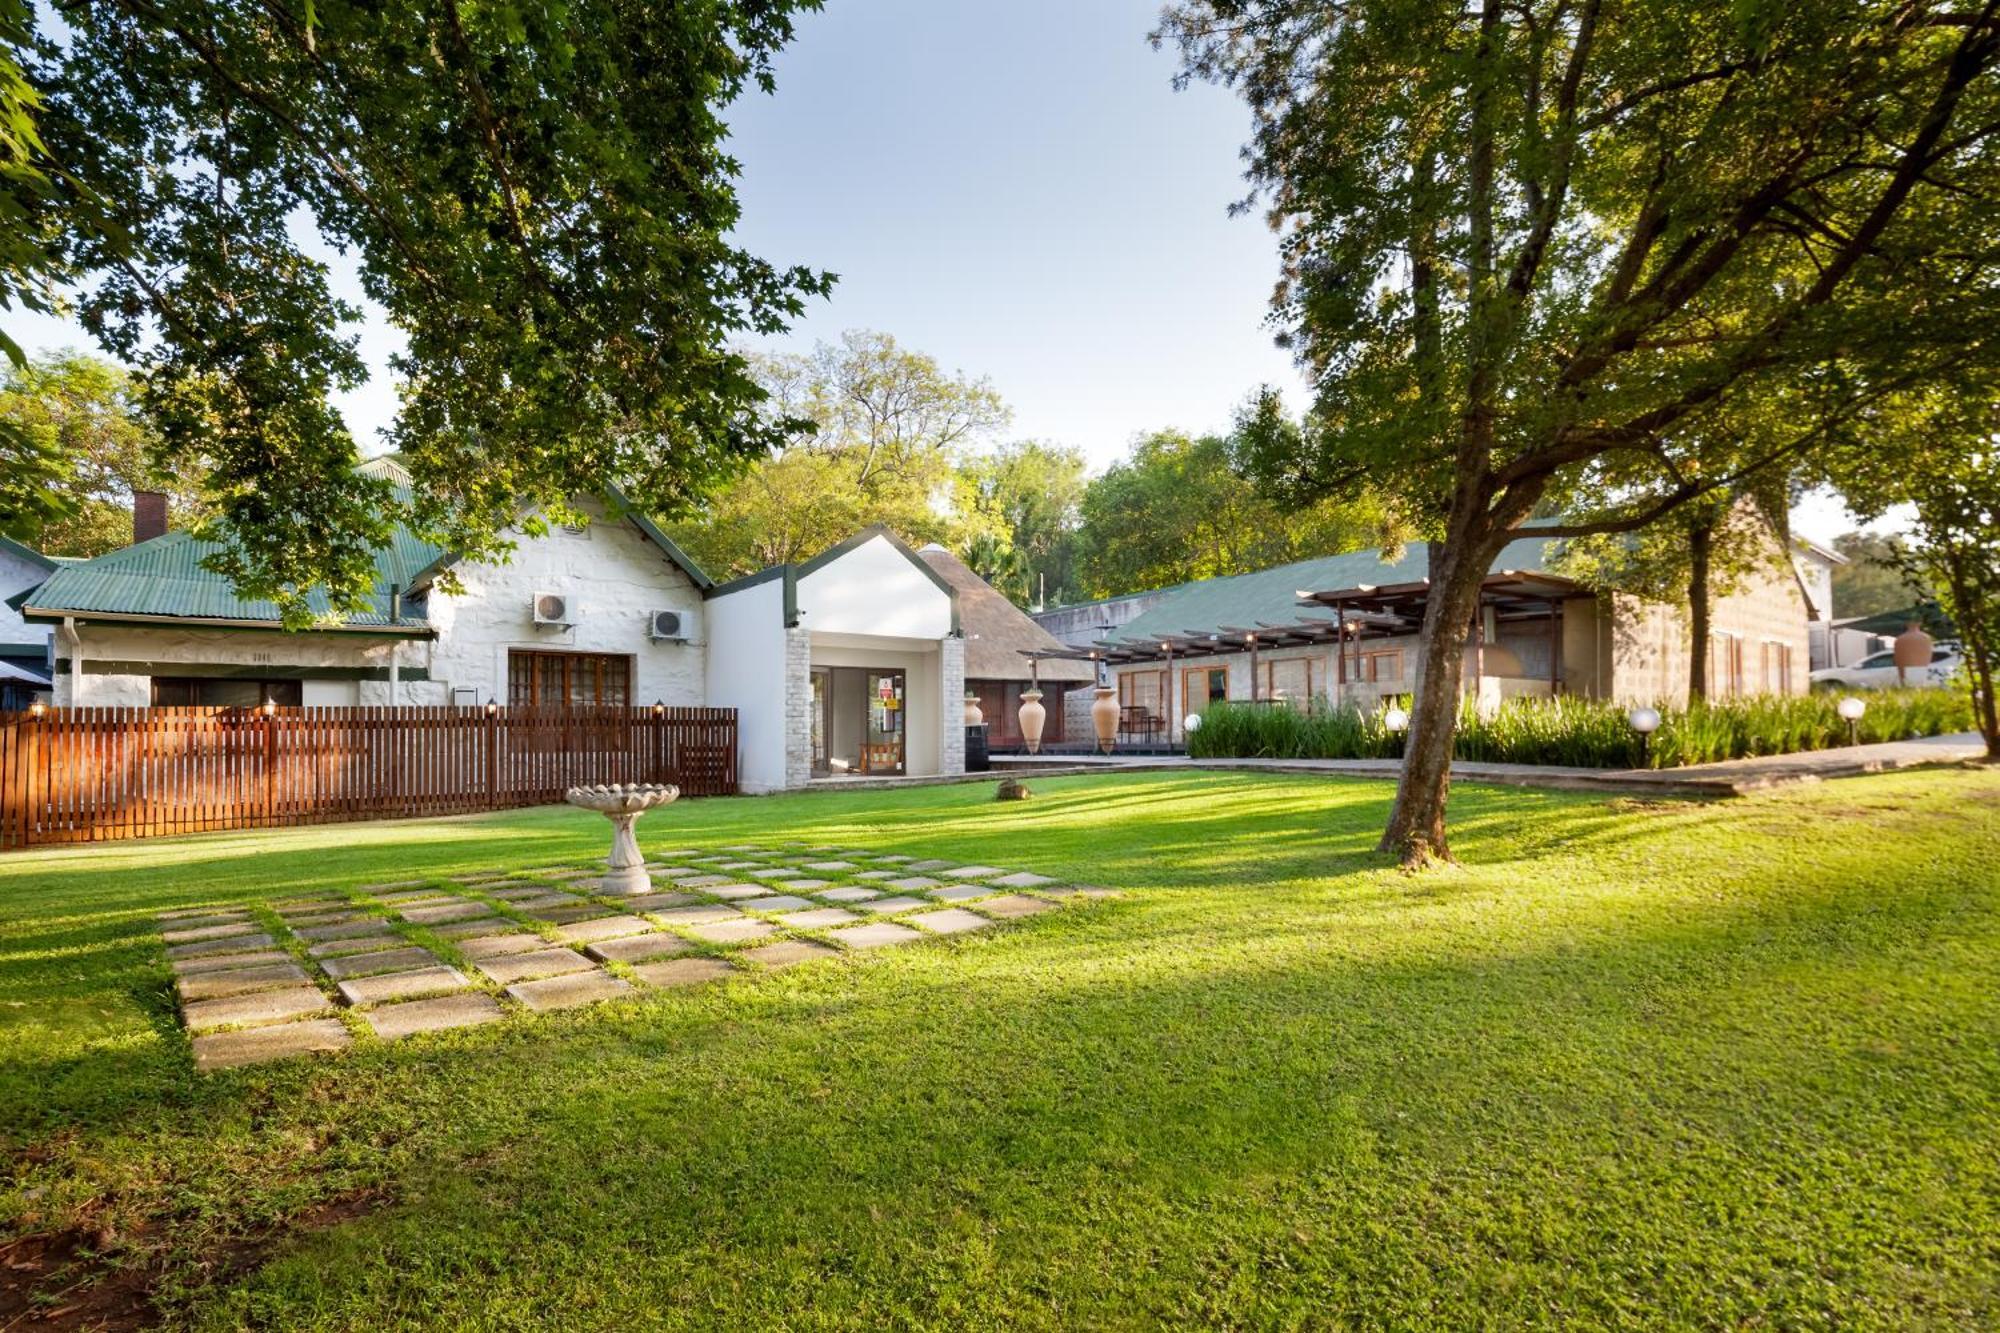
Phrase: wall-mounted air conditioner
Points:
(668, 626)
(552, 608)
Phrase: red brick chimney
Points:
(149, 515)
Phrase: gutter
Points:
(67, 629)
(44, 613)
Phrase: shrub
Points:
(1575, 732)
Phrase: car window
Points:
(1879, 660)
(1942, 655)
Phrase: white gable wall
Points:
(615, 578)
(749, 670)
(874, 589)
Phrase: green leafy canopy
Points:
(536, 193)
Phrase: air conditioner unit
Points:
(552, 608)
(669, 626)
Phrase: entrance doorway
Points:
(860, 721)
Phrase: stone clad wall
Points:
(798, 707)
(951, 705)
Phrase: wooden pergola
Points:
(1346, 618)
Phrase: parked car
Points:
(1877, 671)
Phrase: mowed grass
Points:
(1684, 1065)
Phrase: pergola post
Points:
(1252, 640)
(1167, 693)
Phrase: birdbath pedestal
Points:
(622, 804)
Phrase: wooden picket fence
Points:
(96, 774)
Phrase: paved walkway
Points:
(270, 980)
(1731, 778)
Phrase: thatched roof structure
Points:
(997, 633)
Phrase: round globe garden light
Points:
(1645, 721)
(1397, 721)
(1850, 709)
(1191, 723)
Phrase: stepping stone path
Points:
(302, 975)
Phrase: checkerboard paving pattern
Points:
(392, 961)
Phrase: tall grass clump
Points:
(1569, 731)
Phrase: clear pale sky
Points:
(1014, 187)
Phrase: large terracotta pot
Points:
(1033, 715)
(1104, 718)
(973, 714)
(1912, 651)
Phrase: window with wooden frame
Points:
(1383, 665)
(1292, 679)
(224, 692)
(539, 679)
(1725, 665)
(1143, 689)
(1202, 686)
(1774, 667)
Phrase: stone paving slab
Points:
(847, 895)
(1021, 879)
(509, 968)
(682, 971)
(564, 916)
(950, 921)
(732, 932)
(697, 916)
(1015, 905)
(204, 922)
(201, 934)
(974, 872)
(636, 948)
(700, 881)
(402, 985)
(668, 872)
(776, 902)
(516, 895)
(891, 906)
(229, 962)
(495, 946)
(932, 864)
(912, 882)
(472, 927)
(603, 928)
(786, 953)
(739, 866)
(232, 944)
(874, 935)
(240, 981)
(400, 900)
(891, 860)
(459, 910)
(343, 930)
(780, 872)
(567, 992)
(830, 865)
(357, 944)
(962, 893)
(541, 901)
(269, 1006)
(817, 919)
(321, 919)
(393, 1021)
(806, 885)
(386, 960)
(729, 891)
(651, 902)
(226, 1050)
(878, 874)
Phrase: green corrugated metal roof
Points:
(1271, 596)
(164, 577)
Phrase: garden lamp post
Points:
(36, 708)
(1850, 709)
(1645, 721)
(1397, 720)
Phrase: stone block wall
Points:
(951, 705)
(798, 707)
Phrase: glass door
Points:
(885, 733)
(822, 690)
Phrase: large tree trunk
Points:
(1701, 538)
(1416, 831)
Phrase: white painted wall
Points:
(195, 646)
(876, 590)
(615, 578)
(746, 670)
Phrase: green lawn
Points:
(1728, 1064)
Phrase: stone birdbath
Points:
(622, 804)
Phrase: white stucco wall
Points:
(923, 691)
(876, 590)
(747, 670)
(615, 579)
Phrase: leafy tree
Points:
(86, 409)
(537, 195)
(1938, 451)
(1873, 579)
(1033, 494)
(1595, 256)
(1178, 509)
(884, 430)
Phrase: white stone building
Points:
(850, 663)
